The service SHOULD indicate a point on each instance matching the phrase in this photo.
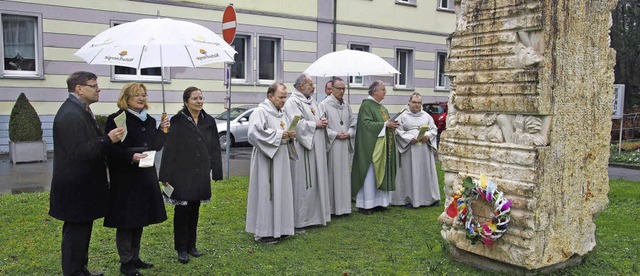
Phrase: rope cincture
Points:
(307, 169)
(270, 179)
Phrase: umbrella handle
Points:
(164, 117)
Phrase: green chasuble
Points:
(371, 148)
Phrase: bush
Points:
(24, 123)
(630, 146)
(101, 120)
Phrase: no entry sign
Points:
(229, 24)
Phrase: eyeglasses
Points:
(94, 86)
(139, 95)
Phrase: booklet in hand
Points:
(121, 121)
(147, 161)
(294, 123)
(167, 189)
(423, 130)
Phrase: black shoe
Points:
(408, 206)
(437, 203)
(269, 240)
(140, 264)
(365, 211)
(183, 257)
(299, 230)
(129, 269)
(380, 208)
(194, 252)
(89, 273)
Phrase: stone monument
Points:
(530, 109)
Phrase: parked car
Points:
(438, 112)
(239, 124)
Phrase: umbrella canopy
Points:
(156, 42)
(350, 63)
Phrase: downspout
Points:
(335, 11)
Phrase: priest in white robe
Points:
(309, 172)
(270, 197)
(416, 178)
(340, 133)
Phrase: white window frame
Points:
(247, 58)
(277, 56)
(441, 80)
(408, 75)
(445, 5)
(138, 76)
(407, 2)
(355, 81)
(38, 51)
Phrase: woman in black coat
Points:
(135, 197)
(190, 159)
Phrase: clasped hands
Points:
(425, 139)
(322, 123)
(288, 135)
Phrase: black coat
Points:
(191, 156)
(79, 182)
(135, 197)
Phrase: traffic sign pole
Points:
(229, 34)
(227, 103)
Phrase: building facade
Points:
(276, 40)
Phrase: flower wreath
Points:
(460, 207)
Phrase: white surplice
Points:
(416, 178)
(309, 172)
(339, 153)
(270, 197)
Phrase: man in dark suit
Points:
(79, 184)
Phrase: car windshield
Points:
(434, 109)
(235, 112)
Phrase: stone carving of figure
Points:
(518, 129)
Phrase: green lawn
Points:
(394, 242)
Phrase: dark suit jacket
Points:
(191, 154)
(79, 183)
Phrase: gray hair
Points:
(302, 79)
(374, 85)
(414, 94)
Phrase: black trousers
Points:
(75, 247)
(128, 243)
(185, 224)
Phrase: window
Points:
(268, 57)
(404, 64)
(121, 73)
(442, 81)
(357, 81)
(409, 2)
(445, 4)
(22, 51)
(239, 69)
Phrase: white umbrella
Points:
(350, 63)
(156, 42)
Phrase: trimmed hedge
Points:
(101, 120)
(24, 123)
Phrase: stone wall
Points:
(532, 87)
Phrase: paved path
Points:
(33, 177)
